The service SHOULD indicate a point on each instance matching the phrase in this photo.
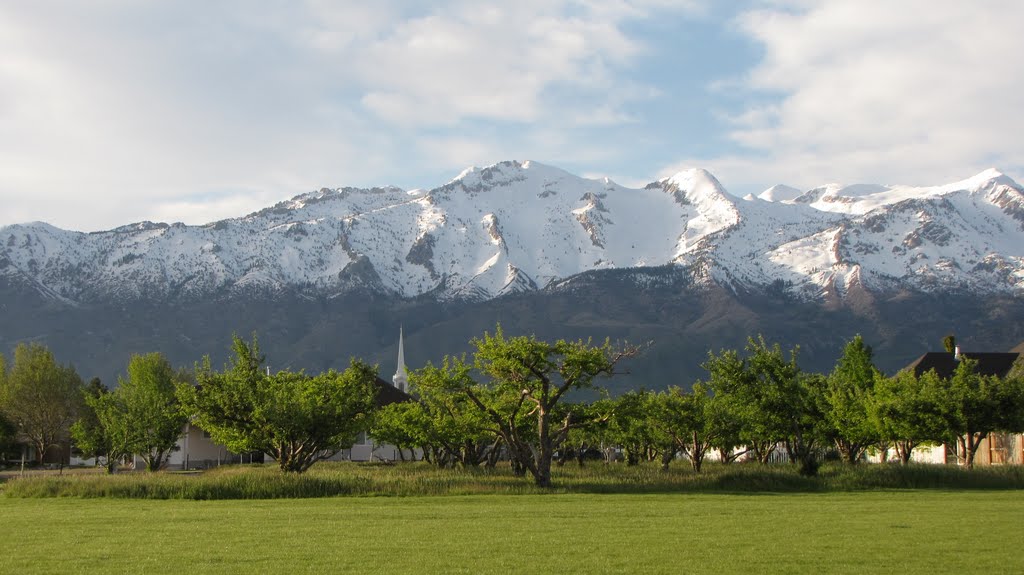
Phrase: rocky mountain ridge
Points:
(522, 226)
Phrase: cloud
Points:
(896, 91)
(499, 62)
(111, 112)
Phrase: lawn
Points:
(915, 531)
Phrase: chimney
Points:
(956, 353)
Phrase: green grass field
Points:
(876, 531)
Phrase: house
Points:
(996, 448)
(945, 363)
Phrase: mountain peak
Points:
(522, 225)
(983, 180)
(780, 193)
(696, 186)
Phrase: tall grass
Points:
(355, 479)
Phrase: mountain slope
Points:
(515, 227)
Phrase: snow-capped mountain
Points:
(515, 227)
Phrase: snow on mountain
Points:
(780, 193)
(518, 226)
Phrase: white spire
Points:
(399, 380)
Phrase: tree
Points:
(295, 418)
(949, 343)
(7, 429)
(452, 430)
(528, 381)
(773, 400)
(971, 406)
(591, 439)
(846, 401)
(693, 420)
(8, 445)
(40, 398)
(88, 432)
(1017, 369)
(730, 380)
(404, 425)
(142, 416)
(903, 413)
(630, 427)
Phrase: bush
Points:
(333, 479)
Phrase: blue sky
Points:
(115, 111)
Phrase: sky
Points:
(119, 111)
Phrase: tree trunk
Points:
(970, 443)
(632, 457)
(850, 451)
(563, 456)
(41, 448)
(518, 469)
(494, 454)
(545, 450)
(697, 451)
(904, 450)
(763, 450)
(542, 478)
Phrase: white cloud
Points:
(486, 61)
(893, 91)
(111, 111)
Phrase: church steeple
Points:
(399, 380)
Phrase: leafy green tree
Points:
(88, 432)
(295, 418)
(903, 413)
(142, 416)
(971, 406)
(405, 425)
(697, 422)
(502, 416)
(8, 445)
(727, 437)
(40, 398)
(528, 382)
(630, 427)
(809, 428)
(775, 402)
(591, 438)
(681, 417)
(1017, 369)
(949, 343)
(846, 401)
(458, 432)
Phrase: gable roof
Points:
(997, 364)
(388, 394)
(1019, 348)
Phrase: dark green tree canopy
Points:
(525, 382)
(949, 343)
(142, 416)
(87, 432)
(970, 406)
(295, 418)
(847, 396)
(40, 397)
